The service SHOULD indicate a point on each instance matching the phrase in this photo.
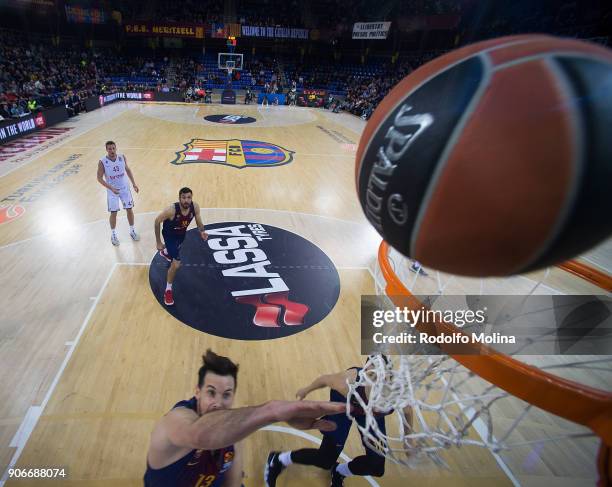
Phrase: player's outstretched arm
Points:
(333, 381)
(318, 383)
(219, 429)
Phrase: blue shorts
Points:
(344, 423)
(173, 244)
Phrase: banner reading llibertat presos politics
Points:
(371, 30)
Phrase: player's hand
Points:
(204, 235)
(160, 246)
(136, 188)
(301, 394)
(114, 190)
(305, 415)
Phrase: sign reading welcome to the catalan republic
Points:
(155, 29)
(371, 30)
(274, 32)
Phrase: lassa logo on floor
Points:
(249, 281)
(229, 119)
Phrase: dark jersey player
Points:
(327, 454)
(196, 443)
(176, 219)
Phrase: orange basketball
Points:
(494, 159)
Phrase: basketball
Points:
(494, 159)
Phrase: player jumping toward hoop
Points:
(176, 219)
(327, 454)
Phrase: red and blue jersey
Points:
(199, 468)
(178, 225)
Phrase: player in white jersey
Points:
(113, 174)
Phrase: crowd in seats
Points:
(36, 75)
(285, 13)
(566, 18)
(206, 74)
(427, 7)
(190, 11)
(365, 93)
(39, 73)
(334, 77)
(185, 11)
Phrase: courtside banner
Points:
(371, 30)
(13, 128)
(113, 97)
(195, 31)
(274, 32)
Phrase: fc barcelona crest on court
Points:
(234, 152)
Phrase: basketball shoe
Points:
(273, 469)
(337, 479)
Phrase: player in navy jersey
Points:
(115, 175)
(327, 454)
(196, 443)
(176, 219)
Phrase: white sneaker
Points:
(114, 240)
(134, 235)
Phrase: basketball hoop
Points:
(500, 402)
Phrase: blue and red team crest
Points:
(236, 153)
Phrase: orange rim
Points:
(570, 400)
(588, 273)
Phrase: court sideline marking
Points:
(30, 421)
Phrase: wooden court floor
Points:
(88, 359)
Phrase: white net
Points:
(439, 405)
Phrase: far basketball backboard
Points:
(230, 60)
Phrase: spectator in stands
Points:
(69, 106)
(75, 102)
(17, 111)
(248, 97)
(32, 105)
(189, 94)
(4, 111)
(291, 97)
(266, 92)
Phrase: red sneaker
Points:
(165, 255)
(168, 298)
